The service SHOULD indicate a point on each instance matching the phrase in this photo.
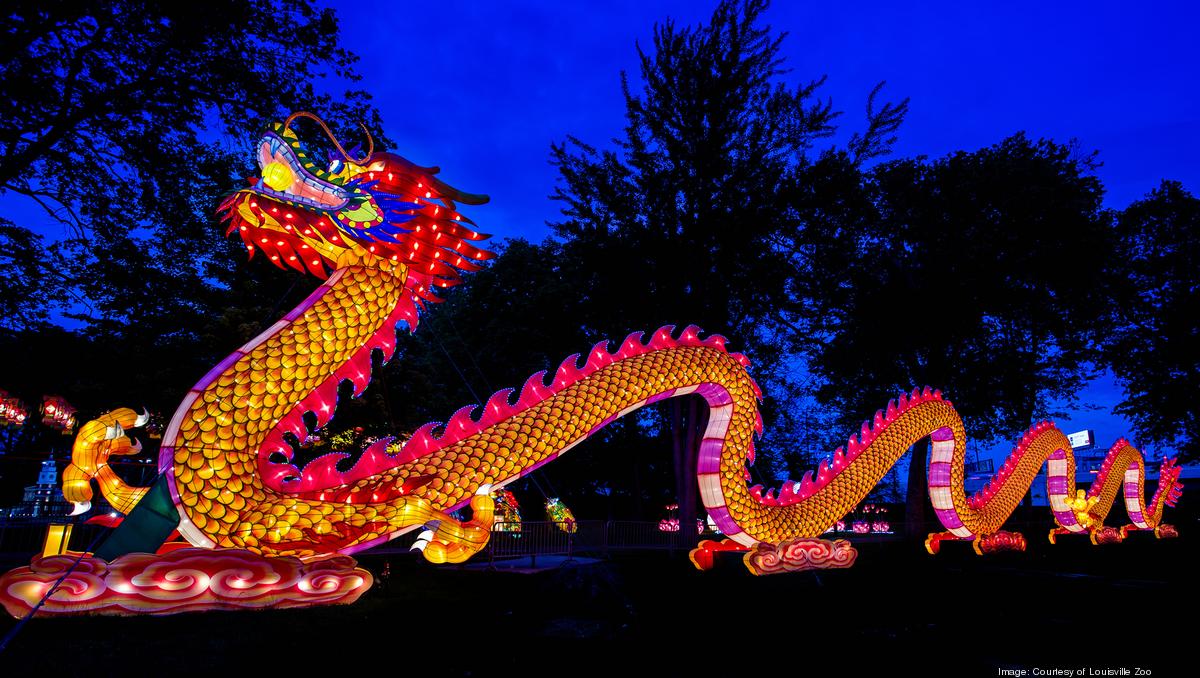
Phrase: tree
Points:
(679, 224)
(959, 273)
(29, 286)
(124, 121)
(1153, 345)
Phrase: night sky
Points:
(482, 89)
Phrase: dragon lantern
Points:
(384, 235)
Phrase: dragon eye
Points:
(278, 176)
(335, 166)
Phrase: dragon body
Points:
(385, 234)
(391, 233)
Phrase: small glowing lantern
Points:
(57, 538)
(12, 410)
(58, 414)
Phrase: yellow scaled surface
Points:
(215, 467)
(222, 495)
(211, 449)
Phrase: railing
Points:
(588, 537)
(534, 539)
(639, 535)
(21, 538)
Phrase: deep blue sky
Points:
(482, 89)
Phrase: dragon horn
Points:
(142, 419)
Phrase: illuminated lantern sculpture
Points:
(384, 236)
(12, 411)
(1081, 505)
(558, 513)
(58, 414)
(671, 522)
(508, 511)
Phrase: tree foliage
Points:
(959, 273)
(123, 122)
(1153, 345)
(678, 224)
(28, 281)
(681, 222)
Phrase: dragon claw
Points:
(115, 431)
(422, 541)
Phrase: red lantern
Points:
(58, 414)
(12, 410)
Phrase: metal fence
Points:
(584, 537)
(21, 539)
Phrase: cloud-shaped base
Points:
(185, 580)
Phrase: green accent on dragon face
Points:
(315, 168)
(290, 176)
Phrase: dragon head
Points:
(378, 210)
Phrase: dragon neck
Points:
(233, 422)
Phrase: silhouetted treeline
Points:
(994, 274)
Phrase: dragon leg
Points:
(96, 442)
(450, 541)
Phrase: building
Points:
(43, 500)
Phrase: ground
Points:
(897, 611)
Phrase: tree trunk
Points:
(677, 444)
(687, 427)
(916, 522)
(638, 509)
(1027, 500)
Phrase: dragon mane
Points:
(417, 223)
